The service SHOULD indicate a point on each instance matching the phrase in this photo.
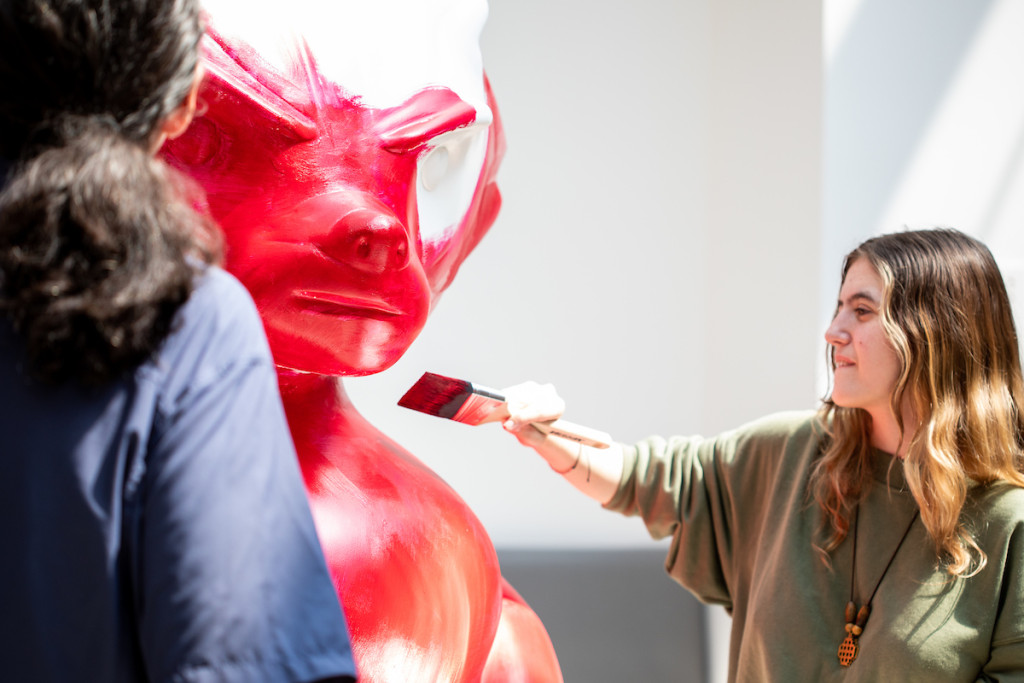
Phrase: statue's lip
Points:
(331, 303)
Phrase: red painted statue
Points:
(334, 212)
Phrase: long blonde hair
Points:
(946, 312)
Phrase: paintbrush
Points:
(473, 404)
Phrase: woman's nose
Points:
(836, 334)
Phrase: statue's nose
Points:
(357, 230)
(369, 241)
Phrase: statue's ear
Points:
(235, 69)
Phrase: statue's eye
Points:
(447, 174)
(433, 168)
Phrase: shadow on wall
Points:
(613, 615)
(885, 88)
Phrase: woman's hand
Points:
(531, 402)
(594, 471)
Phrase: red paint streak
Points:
(316, 195)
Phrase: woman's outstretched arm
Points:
(594, 471)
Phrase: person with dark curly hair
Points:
(153, 519)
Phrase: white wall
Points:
(925, 123)
(656, 256)
(592, 276)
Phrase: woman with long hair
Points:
(880, 537)
(152, 514)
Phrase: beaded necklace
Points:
(856, 619)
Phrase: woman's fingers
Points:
(527, 434)
(531, 402)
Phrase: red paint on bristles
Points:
(437, 395)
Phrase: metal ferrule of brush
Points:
(481, 405)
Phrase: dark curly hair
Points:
(99, 244)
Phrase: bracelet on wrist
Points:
(579, 455)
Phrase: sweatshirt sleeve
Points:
(711, 496)
(1002, 535)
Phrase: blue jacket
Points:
(158, 529)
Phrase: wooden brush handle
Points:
(575, 432)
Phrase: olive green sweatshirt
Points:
(743, 529)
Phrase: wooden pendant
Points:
(855, 622)
(848, 650)
(857, 619)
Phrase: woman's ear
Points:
(178, 121)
